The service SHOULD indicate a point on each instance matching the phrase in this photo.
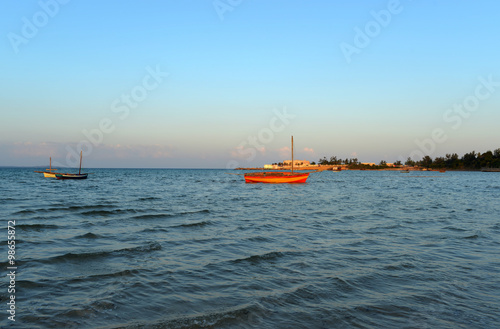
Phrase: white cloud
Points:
(309, 150)
(284, 152)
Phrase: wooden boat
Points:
(404, 171)
(73, 176)
(48, 172)
(276, 177)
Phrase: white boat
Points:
(48, 172)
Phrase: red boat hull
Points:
(276, 177)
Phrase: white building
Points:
(296, 163)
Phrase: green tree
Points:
(496, 159)
(469, 160)
(426, 162)
(439, 162)
(410, 162)
(323, 161)
(452, 161)
(485, 160)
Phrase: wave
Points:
(36, 227)
(105, 213)
(25, 211)
(119, 274)
(198, 224)
(88, 236)
(148, 198)
(152, 246)
(456, 229)
(263, 257)
(50, 282)
(259, 239)
(399, 267)
(204, 211)
(153, 216)
(154, 230)
(11, 199)
(116, 274)
(94, 309)
(164, 215)
(62, 208)
(241, 316)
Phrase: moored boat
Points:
(48, 172)
(276, 177)
(73, 176)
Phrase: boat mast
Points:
(79, 170)
(50, 163)
(292, 154)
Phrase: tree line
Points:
(469, 161)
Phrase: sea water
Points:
(146, 248)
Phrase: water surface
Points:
(130, 248)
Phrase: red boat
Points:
(276, 177)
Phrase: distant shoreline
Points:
(333, 168)
(310, 168)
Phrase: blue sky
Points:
(207, 83)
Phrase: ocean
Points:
(188, 248)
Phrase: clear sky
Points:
(215, 84)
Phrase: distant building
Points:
(296, 163)
(368, 163)
(270, 166)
